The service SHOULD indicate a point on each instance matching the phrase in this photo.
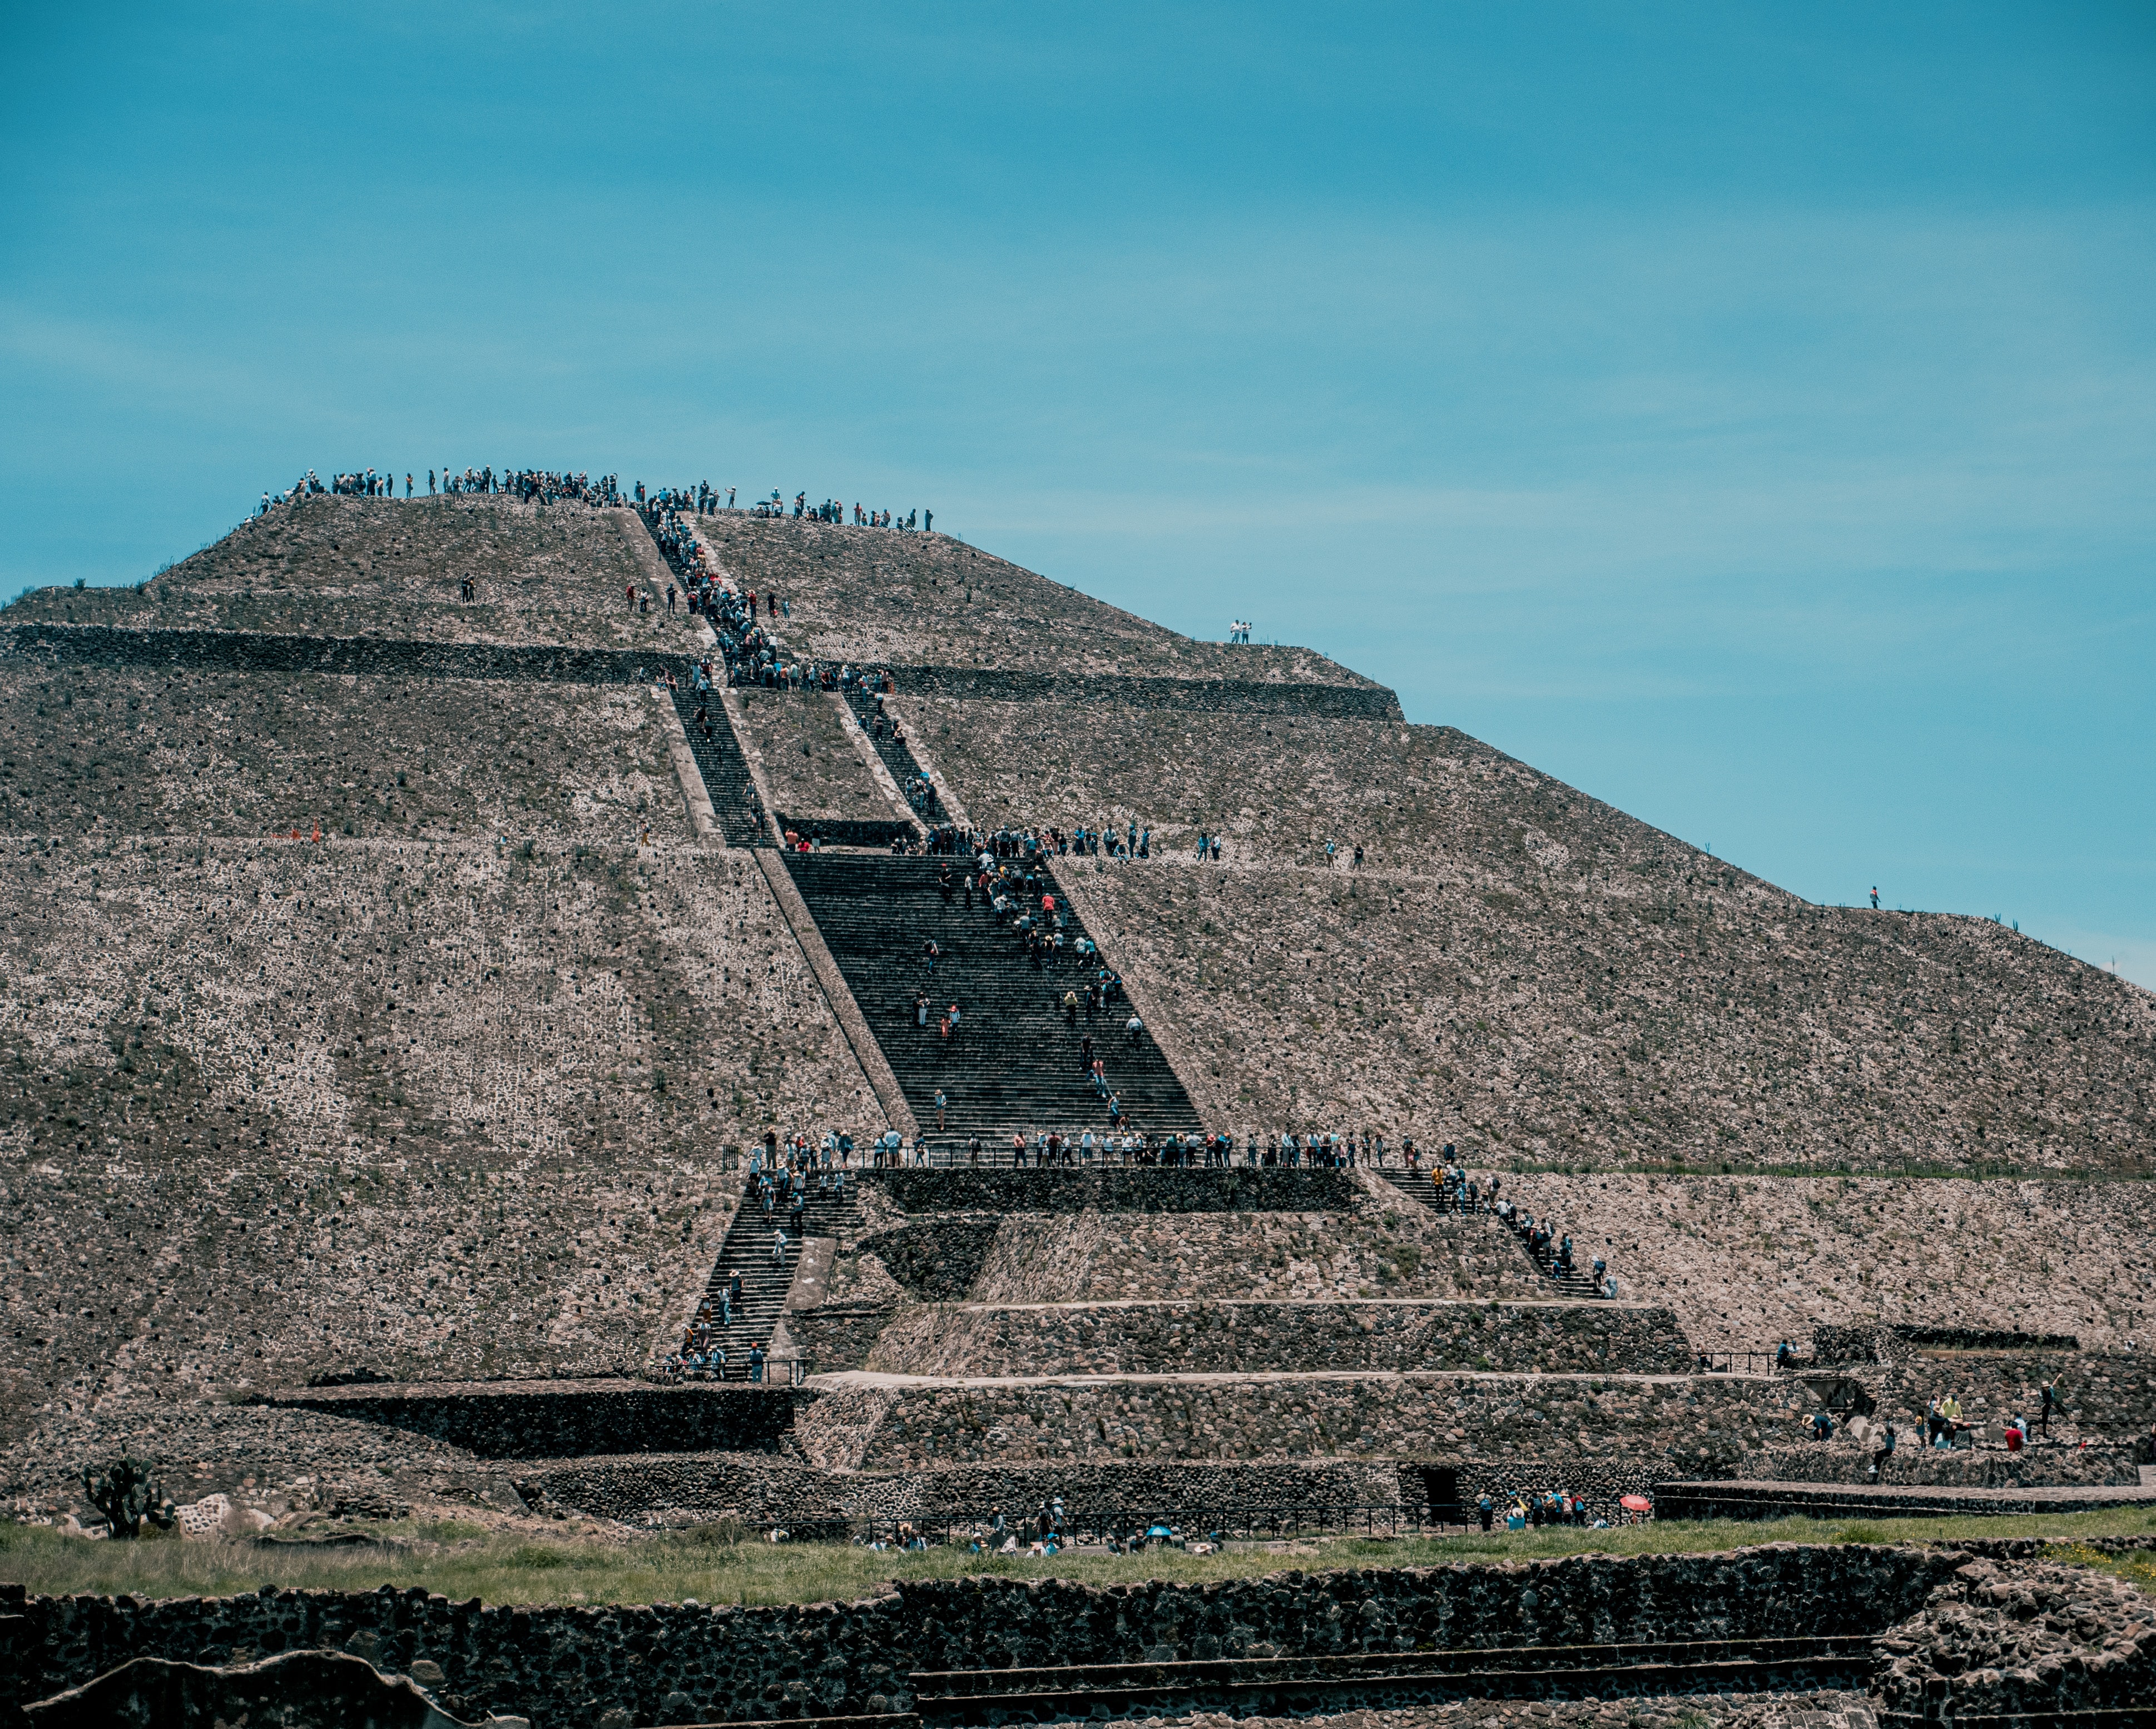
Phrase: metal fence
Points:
(1735, 1363)
(785, 1370)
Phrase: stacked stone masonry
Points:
(686, 1662)
(1157, 1339)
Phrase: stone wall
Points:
(675, 1662)
(1746, 1260)
(817, 776)
(272, 1457)
(936, 1259)
(1541, 982)
(1597, 1431)
(1379, 1247)
(1914, 1465)
(348, 567)
(921, 601)
(2105, 1393)
(1875, 1343)
(959, 685)
(60, 647)
(1215, 1337)
(556, 1419)
(837, 1335)
(762, 1490)
(1117, 1188)
(272, 1110)
(190, 753)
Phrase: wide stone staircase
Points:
(1014, 1065)
(1577, 1286)
(725, 769)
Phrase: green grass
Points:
(462, 1561)
(2138, 1567)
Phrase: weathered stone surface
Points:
(1376, 1247)
(815, 772)
(247, 754)
(884, 598)
(335, 567)
(1748, 1261)
(275, 1110)
(563, 1665)
(1995, 1641)
(1212, 1337)
(305, 1690)
(1510, 1429)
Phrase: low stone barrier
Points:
(691, 1662)
(1875, 1343)
(1119, 1188)
(556, 1419)
(1229, 1337)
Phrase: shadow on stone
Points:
(295, 1690)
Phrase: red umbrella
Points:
(1636, 1503)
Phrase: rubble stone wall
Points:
(553, 1419)
(694, 1662)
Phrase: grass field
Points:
(463, 1562)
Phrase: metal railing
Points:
(789, 1369)
(1734, 1363)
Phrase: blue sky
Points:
(1747, 414)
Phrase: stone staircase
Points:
(1577, 1285)
(1014, 1065)
(725, 769)
(898, 756)
(765, 1279)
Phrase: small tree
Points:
(124, 1494)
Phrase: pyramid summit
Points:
(474, 960)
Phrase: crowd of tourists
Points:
(542, 485)
(835, 510)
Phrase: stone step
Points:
(1291, 1685)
